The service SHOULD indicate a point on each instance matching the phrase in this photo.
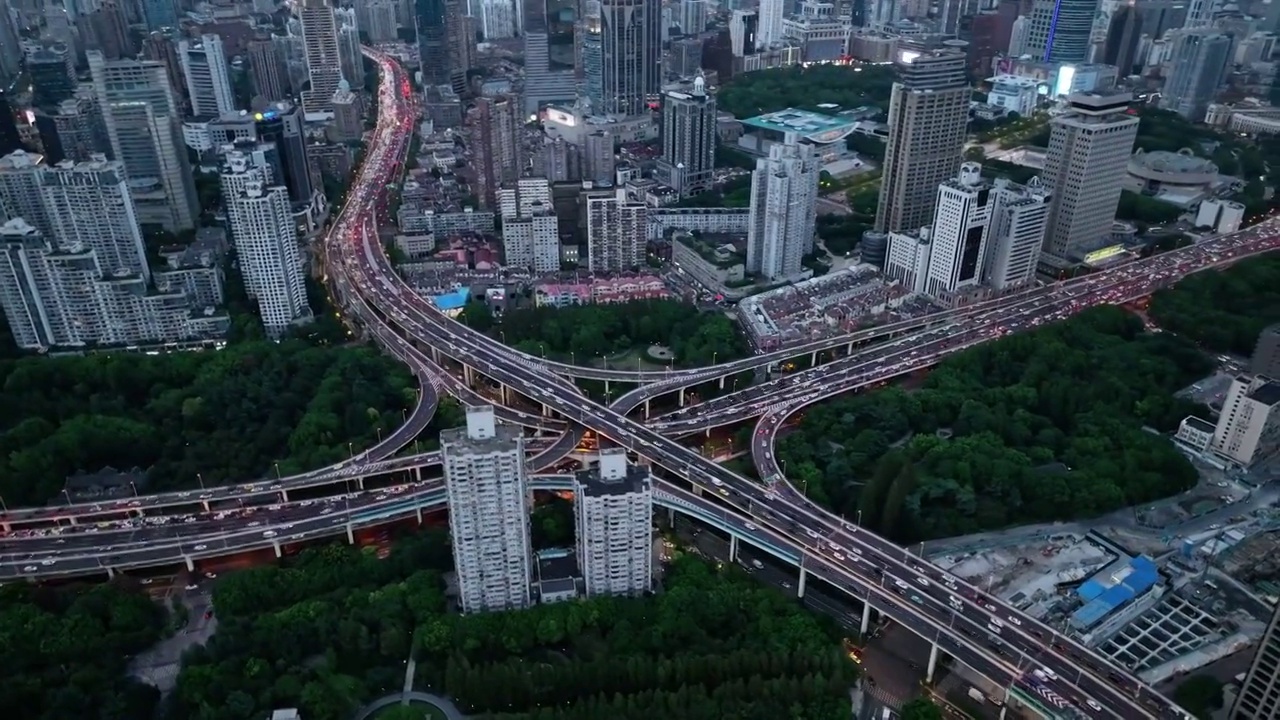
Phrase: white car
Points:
(1014, 620)
(837, 556)
(269, 534)
(198, 548)
(1093, 705)
(1051, 674)
(48, 562)
(30, 569)
(751, 527)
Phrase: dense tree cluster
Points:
(586, 332)
(756, 93)
(1038, 426)
(228, 415)
(1200, 695)
(66, 652)
(333, 627)
(551, 523)
(921, 708)
(1223, 311)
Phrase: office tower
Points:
(1259, 696)
(621, 55)
(323, 56)
(487, 488)
(599, 159)
(348, 115)
(770, 29)
(1266, 353)
(617, 229)
(907, 256)
(1197, 63)
(1134, 20)
(530, 234)
(784, 196)
(1085, 169)
(688, 140)
(495, 136)
(959, 232)
(10, 140)
(160, 14)
(1248, 428)
(1019, 219)
(613, 509)
(928, 117)
(880, 14)
(380, 20)
(548, 52)
(266, 67)
(106, 30)
(282, 125)
(685, 58)
(349, 46)
(499, 19)
(10, 47)
(462, 43)
(141, 119)
(163, 48)
(52, 76)
(952, 11)
(693, 17)
(204, 67)
(1061, 30)
(433, 42)
(743, 32)
(266, 243)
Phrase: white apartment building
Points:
(499, 19)
(784, 196)
(959, 234)
(1249, 426)
(266, 243)
(530, 231)
(488, 493)
(524, 198)
(1019, 219)
(20, 189)
(323, 55)
(907, 258)
(1014, 93)
(204, 66)
(616, 232)
(614, 511)
(769, 19)
(89, 203)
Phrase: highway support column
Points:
(933, 663)
(351, 534)
(681, 397)
(284, 495)
(722, 379)
(546, 410)
(275, 545)
(866, 620)
(504, 394)
(813, 359)
(468, 375)
(418, 511)
(417, 473)
(733, 548)
(646, 413)
(191, 564)
(607, 392)
(800, 585)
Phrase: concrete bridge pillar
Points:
(646, 413)
(111, 573)
(284, 496)
(204, 505)
(813, 359)
(848, 349)
(351, 534)
(191, 564)
(418, 512)
(933, 663)
(722, 379)
(733, 548)
(275, 545)
(417, 473)
(607, 391)
(681, 397)
(504, 394)
(546, 410)
(866, 620)
(671, 516)
(468, 374)
(800, 585)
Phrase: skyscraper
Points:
(599, 159)
(270, 80)
(1198, 60)
(160, 14)
(1061, 31)
(52, 76)
(204, 66)
(142, 123)
(488, 492)
(688, 140)
(266, 242)
(462, 43)
(1085, 168)
(89, 204)
(613, 506)
(281, 124)
(548, 52)
(349, 47)
(784, 194)
(1019, 219)
(959, 232)
(1259, 697)
(10, 140)
(323, 55)
(530, 233)
(928, 117)
(693, 17)
(380, 20)
(499, 19)
(495, 126)
(770, 14)
(617, 229)
(433, 41)
(621, 55)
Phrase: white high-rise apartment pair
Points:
(530, 232)
(613, 505)
(784, 196)
(617, 231)
(204, 65)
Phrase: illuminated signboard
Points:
(561, 117)
(906, 57)
(1103, 254)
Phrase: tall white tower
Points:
(488, 492)
(266, 243)
(1019, 219)
(323, 54)
(613, 505)
(784, 196)
(204, 65)
(617, 230)
(770, 29)
(959, 232)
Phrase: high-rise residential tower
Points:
(89, 204)
(488, 492)
(784, 195)
(617, 229)
(323, 54)
(770, 29)
(1085, 169)
(142, 123)
(495, 131)
(530, 234)
(621, 55)
(688, 131)
(548, 52)
(928, 117)
(204, 66)
(1198, 61)
(613, 505)
(266, 242)
(599, 159)
(1061, 31)
(499, 19)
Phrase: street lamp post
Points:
(278, 477)
(200, 478)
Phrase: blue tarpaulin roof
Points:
(453, 300)
(1111, 589)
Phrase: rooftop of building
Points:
(593, 485)
(1111, 588)
(1196, 423)
(557, 571)
(1267, 394)
(504, 438)
(812, 126)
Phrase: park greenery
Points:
(1225, 311)
(921, 708)
(583, 334)
(1039, 426)
(332, 628)
(1199, 695)
(66, 652)
(806, 88)
(187, 418)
